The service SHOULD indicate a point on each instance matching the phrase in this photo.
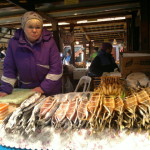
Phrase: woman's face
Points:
(33, 30)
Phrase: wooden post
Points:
(134, 32)
(72, 43)
(90, 48)
(56, 34)
(129, 43)
(84, 45)
(145, 26)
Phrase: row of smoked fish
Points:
(80, 110)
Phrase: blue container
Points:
(8, 148)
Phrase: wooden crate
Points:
(134, 62)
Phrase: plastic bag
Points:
(68, 87)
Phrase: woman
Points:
(32, 58)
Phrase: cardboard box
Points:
(134, 62)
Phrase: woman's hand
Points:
(38, 89)
(2, 94)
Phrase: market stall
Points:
(105, 118)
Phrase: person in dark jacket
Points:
(32, 58)
(103, 62)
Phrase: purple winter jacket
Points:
(33, 66)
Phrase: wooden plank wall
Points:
(145, 26)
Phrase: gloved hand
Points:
(38, 89)
(2, 94)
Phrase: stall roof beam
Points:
(26, 4)
(30, 6)
(86, 36)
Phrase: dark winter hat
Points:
(30, 15)
(106, 46)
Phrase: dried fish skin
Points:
(30, 100)
(52, 111)
(14, 118)
(61, 111)
(93, 103)
(119, 105)
(38, 100)
(47, 105)
(148, 90)
(82, 112)
(143, 97)
(71, 114)
(31, 124)
(109, 104)
(130, 103)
